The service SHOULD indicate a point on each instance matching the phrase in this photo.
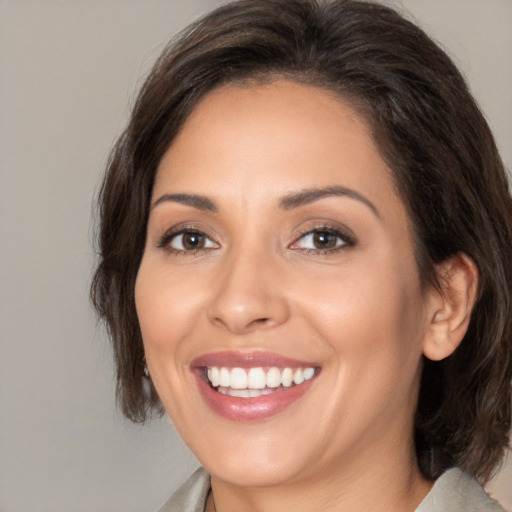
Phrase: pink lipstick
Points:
(251, 386)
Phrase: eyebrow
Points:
(288, 202)
(195, 201)
(309, 195)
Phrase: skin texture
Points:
(357, 311)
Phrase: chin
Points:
(253, 471)
(250, 455)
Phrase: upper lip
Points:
(241, 359)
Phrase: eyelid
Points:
(343, 233)
(165, 240)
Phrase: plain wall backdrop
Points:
(69, 70)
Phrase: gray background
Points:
(68, 72)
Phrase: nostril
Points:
(261, 321)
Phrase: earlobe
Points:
(450, 305)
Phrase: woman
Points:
(306, 262)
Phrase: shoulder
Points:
(455, 491)
(191, 496)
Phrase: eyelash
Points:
(347, 240)
(165, 242)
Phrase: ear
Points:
(450, 305)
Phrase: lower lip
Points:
(250, 409)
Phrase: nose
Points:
(248, 296)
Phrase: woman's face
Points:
(280, 265)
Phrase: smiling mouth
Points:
(256, 381)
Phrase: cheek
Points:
(167, 304)
(167, 312)
(163, 323)
(370, 317)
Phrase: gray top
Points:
(454, 491)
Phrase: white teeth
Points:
(238, 378)
(257, 378)
(287, 377)
(298, 376)
(244, 393)
(225, 378)
(241, 393)
(253, 382)
(273, 378)
(214, 376)
(309, 373)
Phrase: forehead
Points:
(273, 138)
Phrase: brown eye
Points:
(188, 240)
(324, 240)
(191, 241)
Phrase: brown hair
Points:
(432, 135)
